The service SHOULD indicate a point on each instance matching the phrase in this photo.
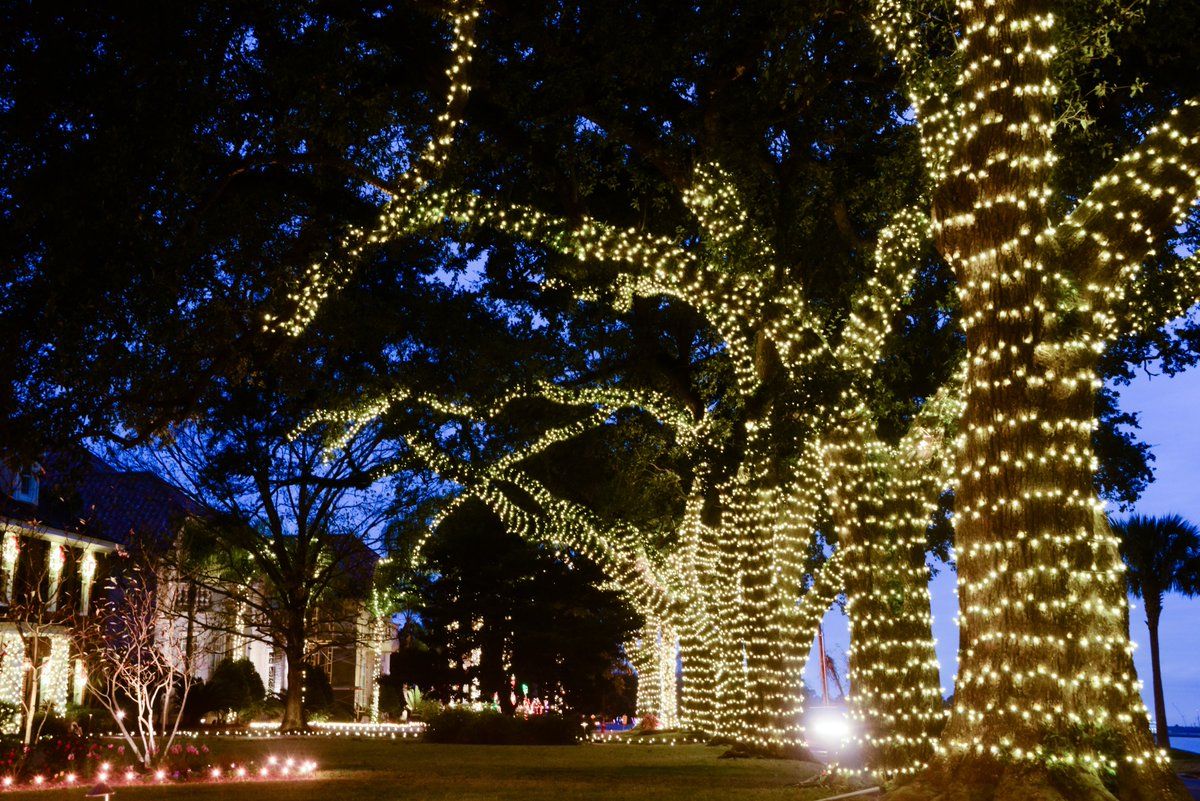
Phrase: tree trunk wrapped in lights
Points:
(882, 500)
(1047, 703)
(694, 563)
(749, 582)
(653, 657)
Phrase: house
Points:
(49, 569)
(65, 520)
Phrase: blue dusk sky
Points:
(1170, 423)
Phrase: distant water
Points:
(1186, 743)
(1185, 738)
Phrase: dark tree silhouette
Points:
(1162, 554)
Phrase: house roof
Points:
(82, 494)
(356, 562)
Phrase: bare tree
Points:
(138, 660)
(293, 539)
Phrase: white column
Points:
(12, 674)
(12, 549)
(55, 559)
(87, 574)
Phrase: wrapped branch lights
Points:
(735, 590)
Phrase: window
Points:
(26, 488)
(203, 598)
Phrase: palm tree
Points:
(1162, 554)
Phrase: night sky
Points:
(1170, 419)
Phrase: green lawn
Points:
(369, 769)
(353, 769)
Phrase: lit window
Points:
(26, 488)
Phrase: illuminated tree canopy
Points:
(741, 301)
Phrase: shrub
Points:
(266, 709)
(10, 715)
(425, 709)
(467, 727)
(234, 685)
(90, 718)
(391, 703)
(420, 706)
(648, 723)
(318, 693)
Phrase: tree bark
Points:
(1046, 703)
(645, 655)
(295, 716)
(880, 511)
(767, 659)
(697, 708)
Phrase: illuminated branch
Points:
(1153, 301)
(652, 265)
(927, 446)
(619, 549)
(1133, 210)
(897, 257)
(347, 423)
(828, 583)
(930, 82)
(728, 234)
(323, 278)
(613, 398)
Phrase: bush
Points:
(90, 718)
(234, 685)
(318, 693)
(391, 702)
(419, 705)
(648, 723)
(49, 724)
(425, 709)
(266, 709)
(467, 727)
(10, 715)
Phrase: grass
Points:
(367, 769)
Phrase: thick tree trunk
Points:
(756, 583)
(654, 660)
(880, 509)
(1046, 703)
(295, 717)
(1046, 696)
(696, 702)
(1161, 736)
(493, 678)
(769, 719)
(696, 705)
